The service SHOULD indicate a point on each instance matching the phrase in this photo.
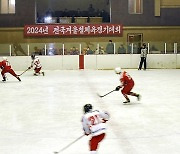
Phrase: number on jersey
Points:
(94, 120)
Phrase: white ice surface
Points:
(41, 115)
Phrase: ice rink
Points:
(41, 115)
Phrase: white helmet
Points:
(4, 58)
(117, 70)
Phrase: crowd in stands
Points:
(90, 12)
(108, 48)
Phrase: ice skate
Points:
(4, 79)
(138, 97)
(35, 74)
(43, 73)
(127, 101)
(18, 78)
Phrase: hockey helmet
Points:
(33, 56)
(87, 108)
(117, 70)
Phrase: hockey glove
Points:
(86, 134)
(117, 88)
(104, 120)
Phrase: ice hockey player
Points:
(36, 64)
(127, 84)
(6, 68)
(94, 124)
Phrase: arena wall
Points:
(71, 62)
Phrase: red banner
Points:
(73, 30)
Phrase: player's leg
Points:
(125, 91)
(136, 95)
(127, 99)
(94, 142)
(41, 72)
(3, 75)
(140, 64)
(11, 71)
(129, 92)
(144, 63)
(37, 71)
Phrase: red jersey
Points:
(5, 64)
(125, 79)
(1, 65)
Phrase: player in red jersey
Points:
(127, 84)
(6, 68)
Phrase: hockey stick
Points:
(106, 94)
(69, 145)
(24, 72)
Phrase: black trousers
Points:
(143, 61)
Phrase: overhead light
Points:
(12, 2)
(48, 19)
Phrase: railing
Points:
(86, 48)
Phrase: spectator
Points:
(101, 50)
(135, 49)
(84, 51)
(121, 49)
(91, 10)
(74, 51)
(129, 48)
(89, 51)
(105, 15)
(79, 14)
(110, 47)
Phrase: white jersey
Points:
(36, 63)
(94, 122)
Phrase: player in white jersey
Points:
(94, 123)
(36, 64)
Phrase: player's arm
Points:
(1, 66)
(104, 115)
(85, 126)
